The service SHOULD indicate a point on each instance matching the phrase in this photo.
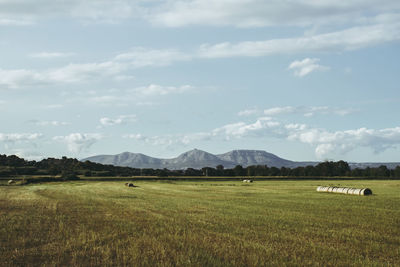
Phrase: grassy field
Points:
(225, 223)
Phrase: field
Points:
(199, 223)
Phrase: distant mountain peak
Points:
(196, 159)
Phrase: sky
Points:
(305, 80)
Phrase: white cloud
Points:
(348, 39)
(241, 129)
(122, 119)
(52, 106)
(279, 110)
(19, 77)
(78, 142)
(71, 73)
(325, 143)
(341, 142)
(27, 154)
(49, 55)
(106, 99)
(144, 57)
(19, 137)
(307, 111)
(153, 140)
(306, 66)
(259, 13)
(248, 112)
(51, 123)
(14, 22)
(94, 10)
(154, 89)
(178, 13)
(26, 139)
(123, 78)
(81, 72)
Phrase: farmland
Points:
(199, 223)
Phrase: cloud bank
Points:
(78, 142)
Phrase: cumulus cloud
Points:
(27, 154)
(326, 143)
(14, 139)
(242, 129)
(341, 142)
(122, 119)
(306, 66)
(78, 142)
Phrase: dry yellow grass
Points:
(199, 224)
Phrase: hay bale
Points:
(11, 182)
(345, 190)
(130, 185)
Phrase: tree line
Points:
(70, 168)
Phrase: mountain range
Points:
(198, 159)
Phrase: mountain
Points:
(127, 159)
(254, 157)
(363, 165)
(198, 159)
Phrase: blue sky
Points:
(306, 80)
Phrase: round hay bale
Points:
(11, 181)
(366, 192)
(345, 190)
(357, 191)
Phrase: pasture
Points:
(199, 223)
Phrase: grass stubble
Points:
(267, 223)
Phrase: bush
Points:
(69, 175)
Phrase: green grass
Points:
(210, 223)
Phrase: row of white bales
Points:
(345, 190)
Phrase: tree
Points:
(396, 172)
(69, 175)
(239, 171)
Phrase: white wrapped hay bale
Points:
(345, 190)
